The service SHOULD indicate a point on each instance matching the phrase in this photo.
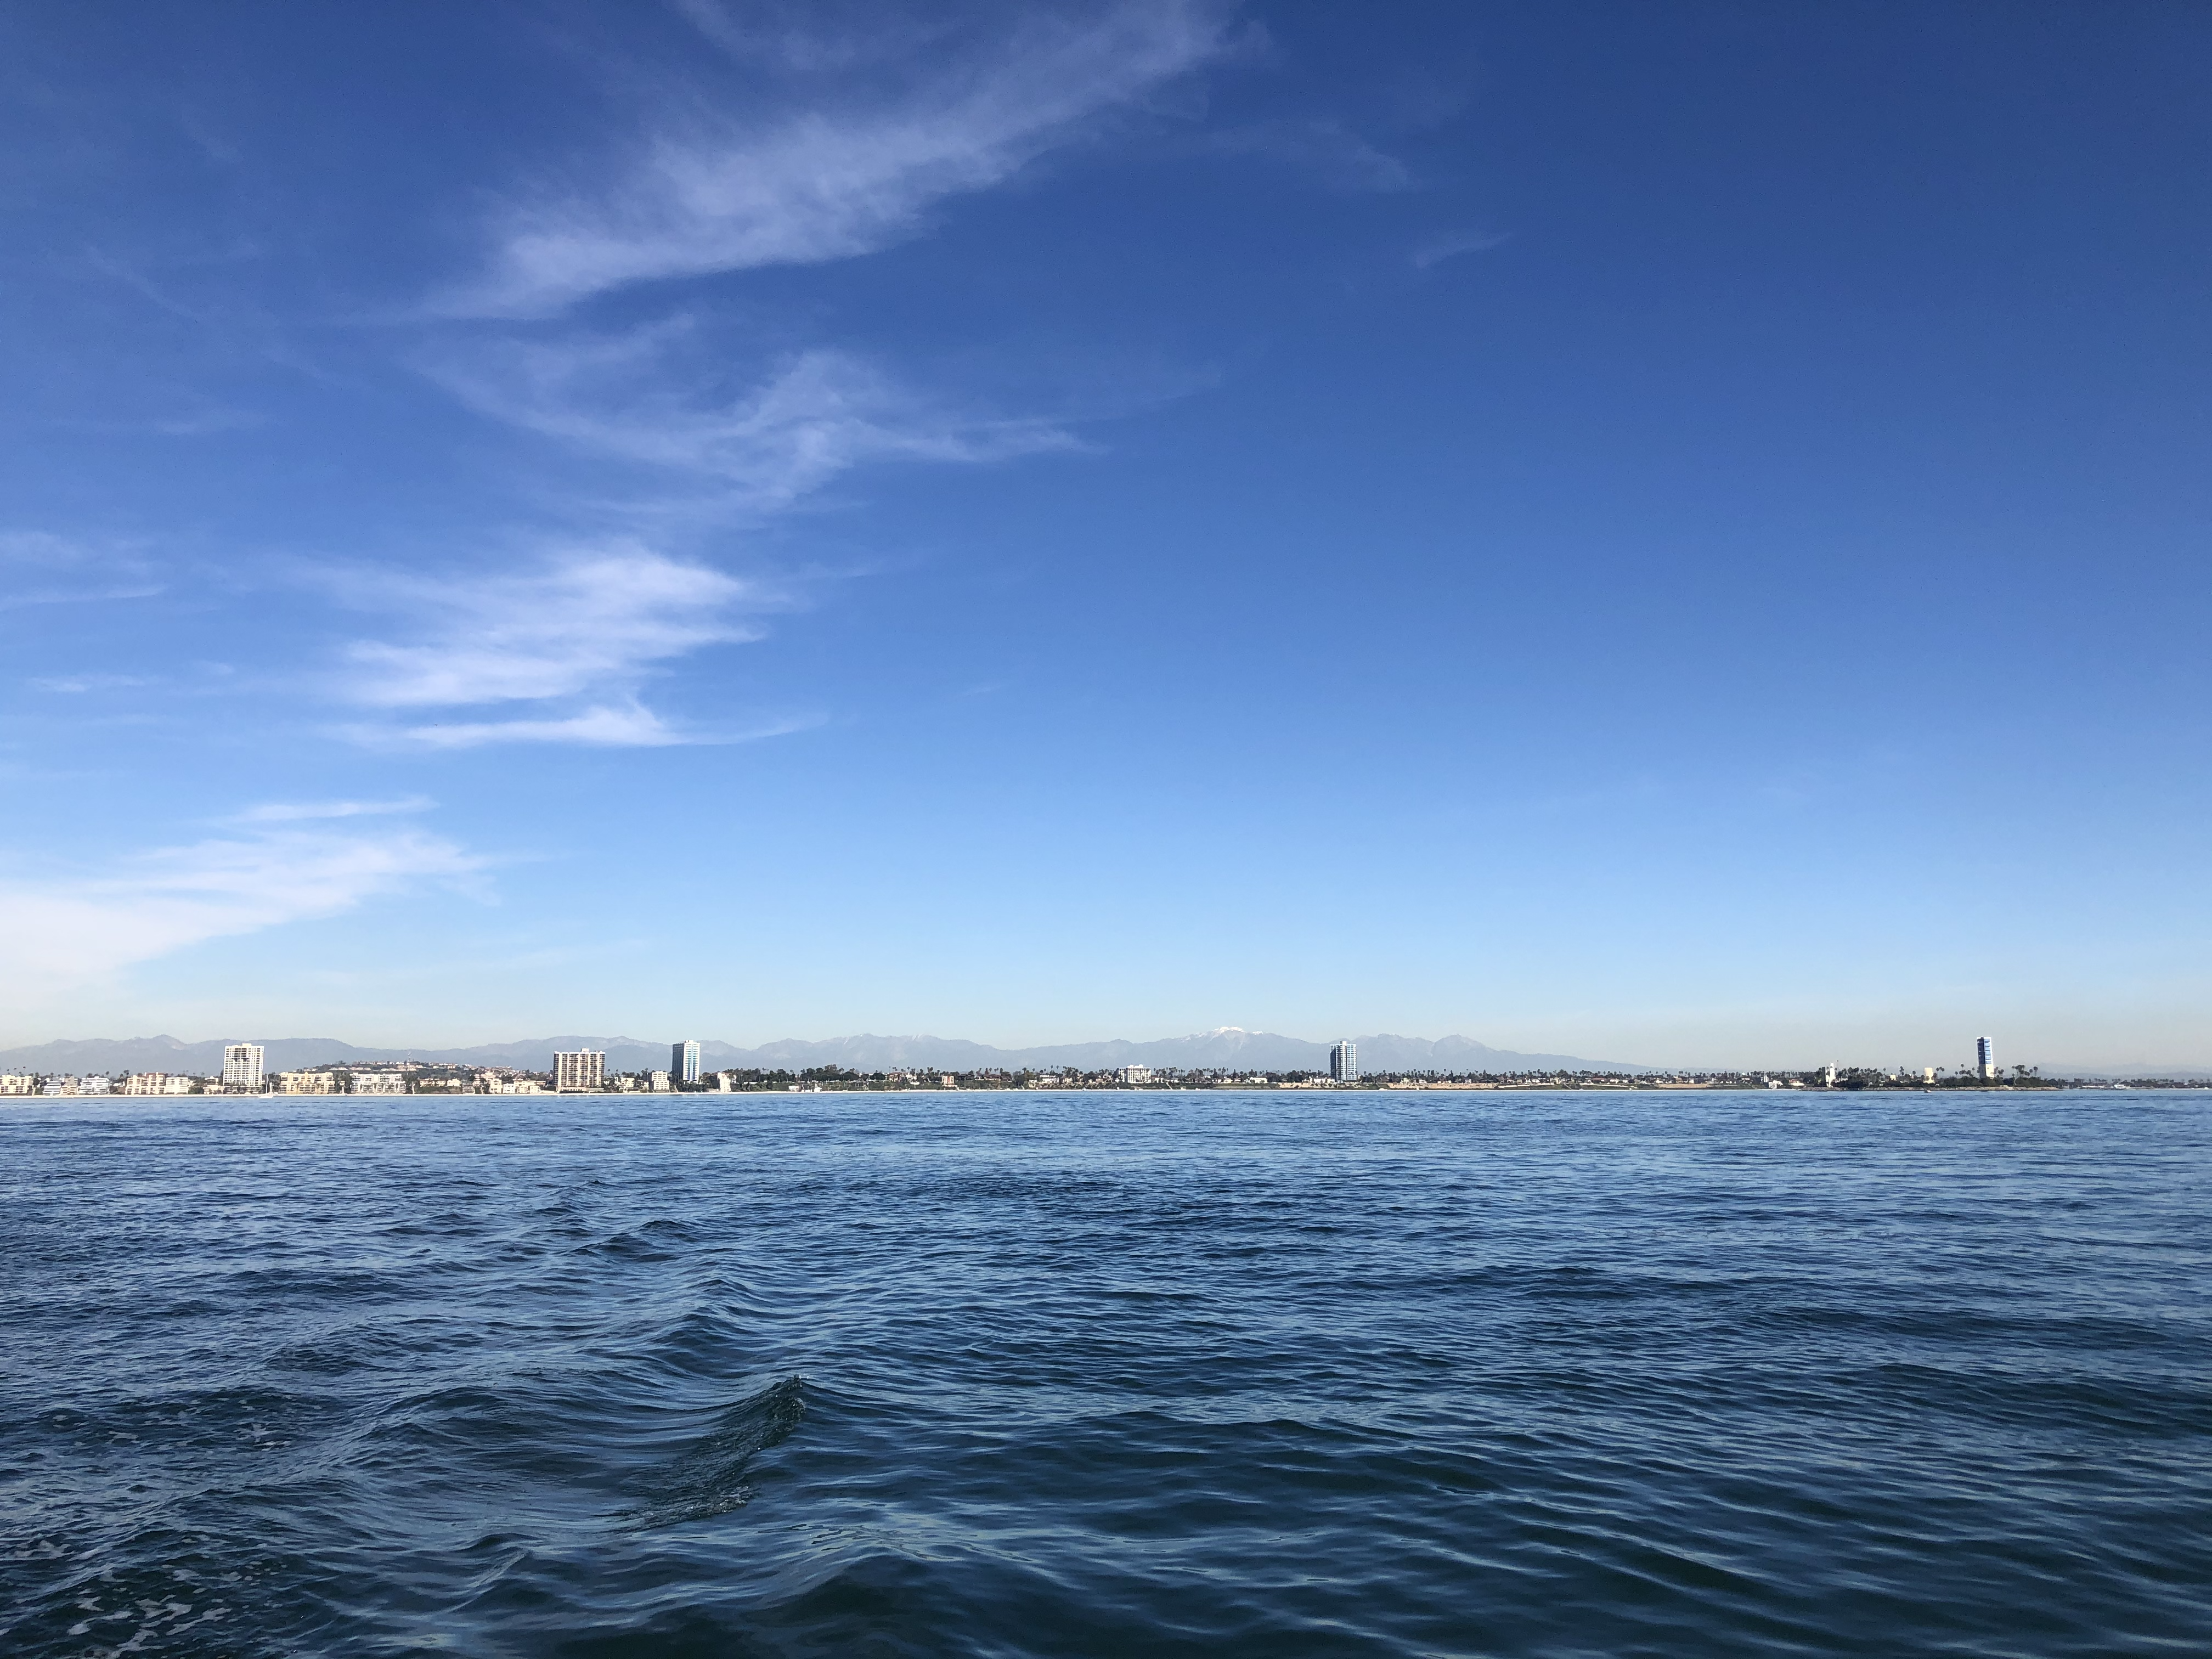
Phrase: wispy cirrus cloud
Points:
(857, 134)
(815, 415)
(1327, 149)
(295, 811)
(78, 684)
(1453, 243)
(66, 929)
(624, 726)
(579, 622)
(39, 567)
(581, 629)
(716, 191)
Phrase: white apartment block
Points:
(1127, 1074)
(583, 1072)
(379, 1083)
(242, 1066)
(159, 1083)
(14, 1085)
(307, 1083)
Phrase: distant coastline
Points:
(1223, 1051)
(583, 1072)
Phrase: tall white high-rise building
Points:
(1985, 1057)
(684, 1061)
(583, 1072)
(242, 1066)
(1344, 1061)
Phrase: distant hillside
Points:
(1228, 1046)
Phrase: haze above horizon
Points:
(1673, 533)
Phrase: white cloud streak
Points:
(67, 931)
(630, 725)
(31, 560)
(1329, 150)
(816, 414)
(298, 812)
(583, 621)
(1450, 245)
(720, 194)
(78, 685)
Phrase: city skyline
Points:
(1667, 533)
(1224, 1049)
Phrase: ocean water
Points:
(1008, 1375)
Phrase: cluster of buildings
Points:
(583, 1071)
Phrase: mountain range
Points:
(1228, 1046)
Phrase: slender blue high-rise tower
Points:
(684, 1061)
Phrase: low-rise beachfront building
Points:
(379, 1083)
(163, 1083)
(15, 1083)
(307, 1083)
(660, 1083)
(1135, 1074)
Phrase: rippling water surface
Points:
(1111, 1374)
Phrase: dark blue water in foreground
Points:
(1124, 1374)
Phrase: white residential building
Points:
(583, 1072)
(14, 1084)
(660, 1083)
(242, 1066)
(1986, 1059)
(379, 1083)
(1344, 1061)
(1128, 1074)
(307, 1083)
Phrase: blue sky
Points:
(1672, 533)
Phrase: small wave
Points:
(709, 1479)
